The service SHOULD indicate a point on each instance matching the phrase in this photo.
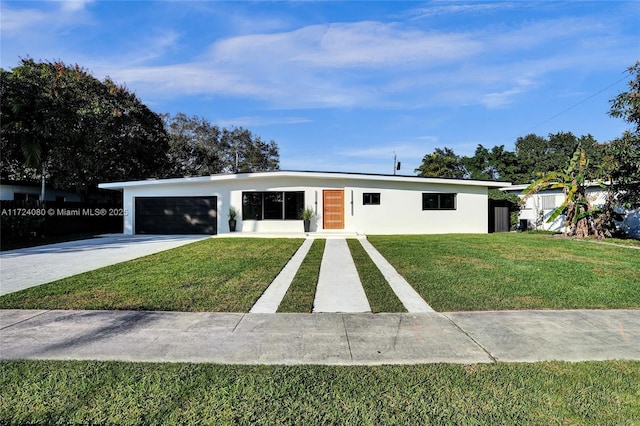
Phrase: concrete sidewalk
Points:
(323, 338)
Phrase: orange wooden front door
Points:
(333, 209)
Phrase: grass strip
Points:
(514, 271)
(302, 292)
(381, 296)
(85, 392)
(216, 274)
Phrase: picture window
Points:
(438, 201)
(273, 205)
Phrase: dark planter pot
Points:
(232, 225)
(307, 225)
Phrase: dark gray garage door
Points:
(176, 215)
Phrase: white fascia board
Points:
(290, 174)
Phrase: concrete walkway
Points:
(272, 297)
(339, 288)
(343, 339)
(410, 298)
(29, 267)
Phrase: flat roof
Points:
(305, 174)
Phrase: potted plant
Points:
(233, 213)
(307, 214)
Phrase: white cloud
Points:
(341, 65)
(74, 5)
(14, 21)
(360, 44)
(501, 99)
(373, 64)
(19, 22)
(256, 121)
(451, 8)
(40, 32)
(416, 148)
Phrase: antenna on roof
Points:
(396, 163)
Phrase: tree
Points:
(530, 151)
(77, 129)
(623, 154)
(538, 155)
(627, 104)
(28, 94)
(198, 148)
(497, 164)
(581, 216)
(249, 153)
(442, 163)
(195, 148)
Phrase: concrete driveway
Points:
(29, 267)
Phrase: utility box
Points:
(524, 225)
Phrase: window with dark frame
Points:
(438, 201)
(273, 205)
(371, 198)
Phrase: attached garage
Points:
(176, 215)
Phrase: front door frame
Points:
(331, 222)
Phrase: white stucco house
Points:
(539, 207)
(273, 202)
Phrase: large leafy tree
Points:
(623, 154)
(249, 153)
(494, 164)
(198, 148)
(195, 148)
(442, 163)
(539, 155)
(61, 123)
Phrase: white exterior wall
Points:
(400, 210)
(535, 212)
(539, 207)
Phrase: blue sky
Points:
(340, 86)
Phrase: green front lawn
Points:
(302, 291)
(216, 274)
(515, 271)
(552, 393)
(380, 295)
(451, 272)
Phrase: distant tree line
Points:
(64, 128)
(563, 161)
(533, 155)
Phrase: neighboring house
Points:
(539, 207)
(29, 191)
(273, 202)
